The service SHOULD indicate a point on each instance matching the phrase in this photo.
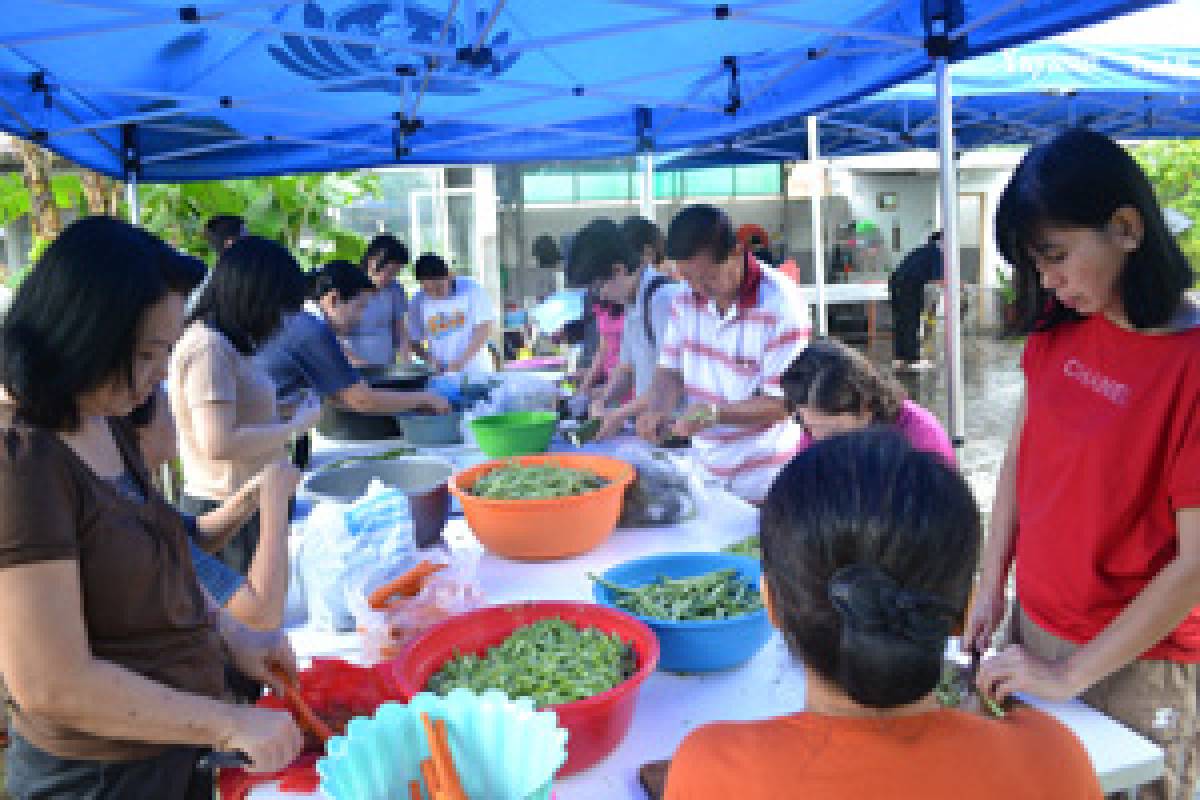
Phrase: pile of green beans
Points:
(535, 482)
(712, 596)
(550, 661)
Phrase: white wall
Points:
(916, 208)
(487, 268)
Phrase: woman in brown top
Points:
(110, 652)
(223, 401)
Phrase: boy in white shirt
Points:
(450, 319)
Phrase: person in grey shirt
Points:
(381, 335)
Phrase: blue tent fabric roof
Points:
(1015, 96)
(235, 88)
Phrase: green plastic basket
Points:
(520, 433)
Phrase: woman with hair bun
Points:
(869, 549)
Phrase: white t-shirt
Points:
(637, 350)
(446, 323)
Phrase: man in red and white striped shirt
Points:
(728, 342)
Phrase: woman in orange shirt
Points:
(869, 548)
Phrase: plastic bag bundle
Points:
(452, 589)
(667, 490)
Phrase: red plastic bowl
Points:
(594, 725)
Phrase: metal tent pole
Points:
(646, 195)
(131, 198)
(950, 253)
(815, 193)
(131, 165)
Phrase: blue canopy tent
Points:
(177, 91)
(1017, 96)
(149, 90)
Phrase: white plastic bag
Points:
(341, 541)
(520, 392)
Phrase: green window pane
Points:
(666, 185)
(757, 179)
(603, 186)
(550, 188)
(713, 181)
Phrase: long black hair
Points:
(73, 324)
(255, 283)
(869, 549)
(1079, 179)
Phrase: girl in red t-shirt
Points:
(1097, 508)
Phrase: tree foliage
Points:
(1173, 166)
(295, 210)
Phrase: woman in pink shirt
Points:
(610, 325)
(834, 389)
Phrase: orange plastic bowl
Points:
(543, 530)
(595, 725)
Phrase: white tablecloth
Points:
(670, 705)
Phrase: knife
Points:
(966, 678)
(215, 760)
(968, 686)
(585, 432)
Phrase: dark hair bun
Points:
(892, 637)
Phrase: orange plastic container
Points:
(543, 530)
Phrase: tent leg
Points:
(816, 191)
(646, 195)
(950, 254)
(133, 201)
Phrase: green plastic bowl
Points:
(520, 433)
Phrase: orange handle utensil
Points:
(305, 717)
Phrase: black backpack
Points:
(656, 283)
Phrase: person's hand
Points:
(1015, 670)
(269, 738)
(983, 619)
(698, 417)
(598, 408)
(650, 426)
(599, 394)
(434, 402)
(254, 653)
(307, 412)
(612, 422)
(455, 366)
(277, 483)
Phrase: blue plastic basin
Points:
(700, 646)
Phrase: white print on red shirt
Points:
(1102, 385)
